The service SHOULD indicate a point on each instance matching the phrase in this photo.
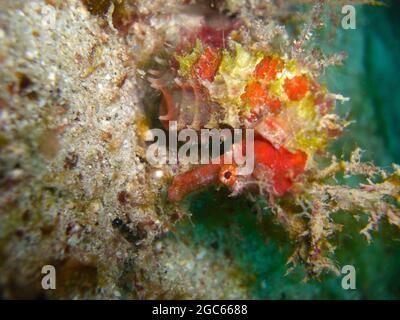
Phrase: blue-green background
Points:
(370, 77)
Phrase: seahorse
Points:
(240, 87)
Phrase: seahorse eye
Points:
(228, 174)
